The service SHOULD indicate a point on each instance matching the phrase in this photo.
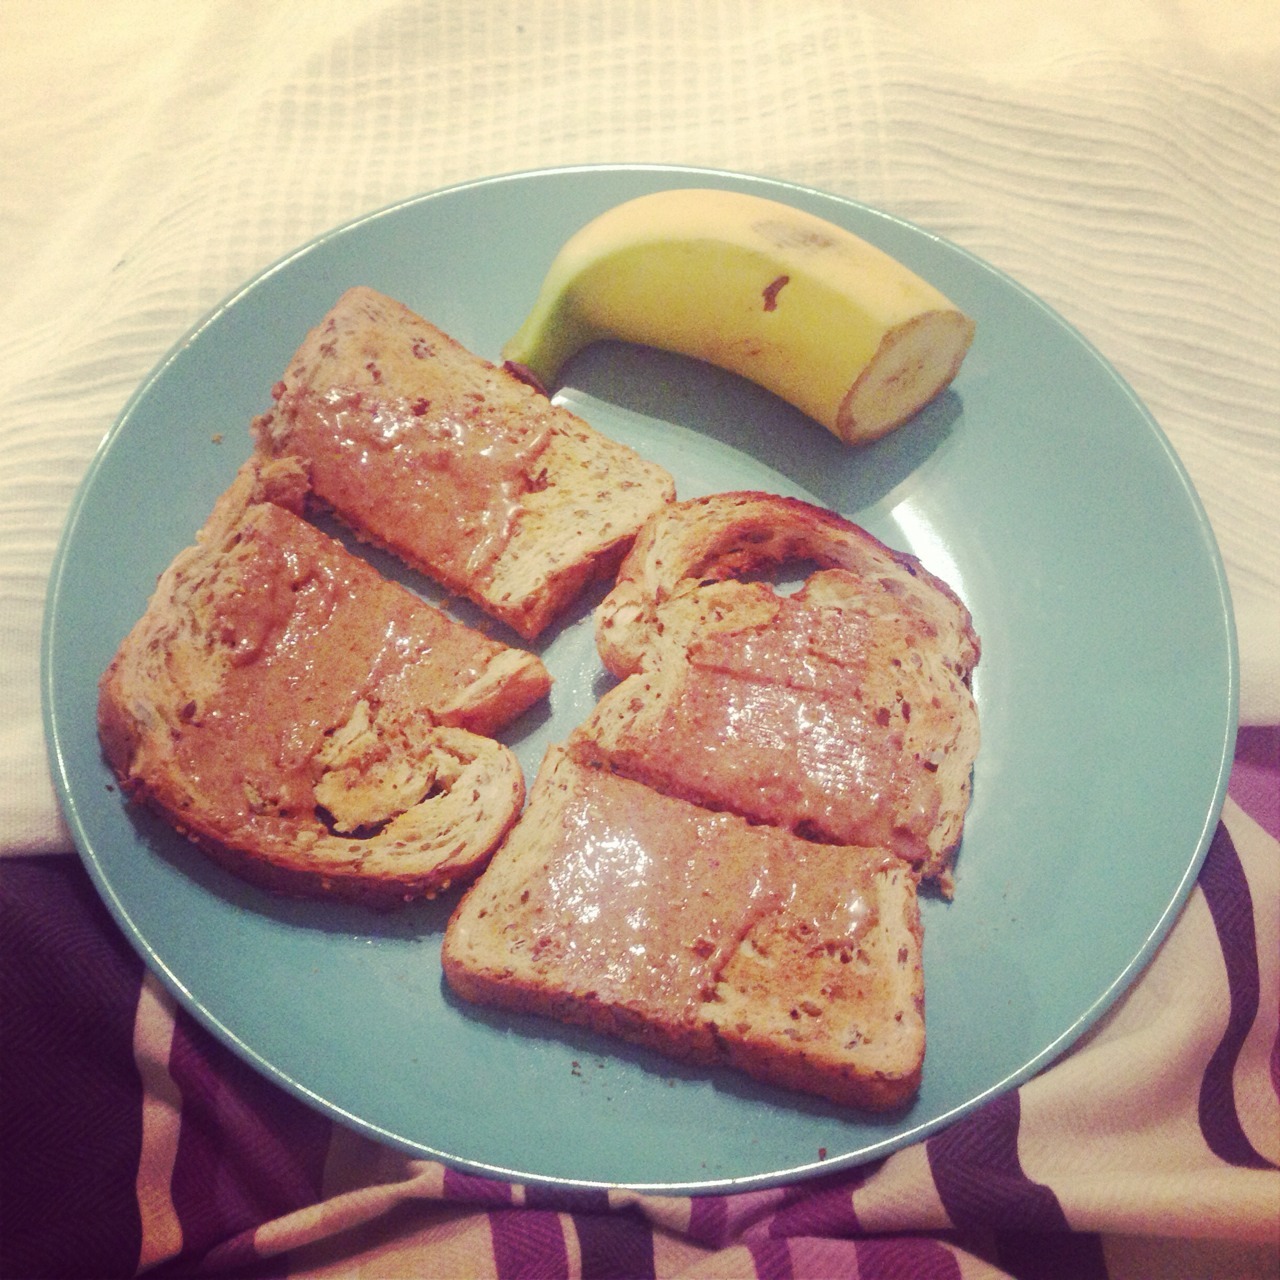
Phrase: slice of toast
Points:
(312, 725)
(700, 936)
(456, 465)
(841, 712)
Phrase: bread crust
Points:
(456, 465)
(314, 727)
(699, 542)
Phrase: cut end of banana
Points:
(913, 366)
(825, 320)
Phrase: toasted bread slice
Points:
(700, 936)
(842, 712)
(456, 465)
(312, 725)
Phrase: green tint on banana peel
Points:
(826, 321)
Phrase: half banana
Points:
(830, 323)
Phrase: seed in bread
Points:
(456, 465)
(841, 712)
(700, 936)
(312, 725)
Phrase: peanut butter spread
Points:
(784, 723)
(445, 481)
(643, 899)
(321, 665)
(410, 439)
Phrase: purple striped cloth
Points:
(133, 1142)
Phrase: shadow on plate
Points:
(740, 415)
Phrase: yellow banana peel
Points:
(828, 322)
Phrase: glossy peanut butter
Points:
(645, 899)
(830, 904)
(444, 481)
(775, 723)
(306, 632)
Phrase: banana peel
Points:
(820, 317)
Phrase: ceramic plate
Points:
(1038, 486)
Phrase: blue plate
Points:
(1038, 486)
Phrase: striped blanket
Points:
(134, 1142)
